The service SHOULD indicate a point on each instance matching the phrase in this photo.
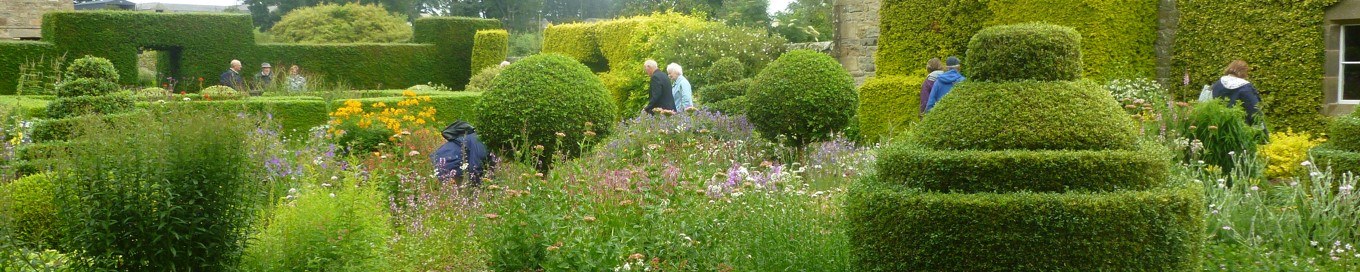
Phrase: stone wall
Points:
(856, 36)
(23, 18)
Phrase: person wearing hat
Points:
(263, 79)
(945, 82)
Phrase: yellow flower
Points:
(408, 93)
(379, 104)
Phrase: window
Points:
(1349, 78)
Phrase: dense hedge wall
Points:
(207, 42)
(888, 105)
(490, 49)
(574, 40)
(1119, 34)
(971, 171)
(16, 53)
(1328, 156)
(1152, 230)
(377, 66)
(1282, 41)
(61, 129)
(453, 38)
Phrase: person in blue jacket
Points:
(463, 158)
(945, 82)
(1235, 87)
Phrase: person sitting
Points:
(463, 158)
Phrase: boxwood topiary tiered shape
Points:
(1341, 152)
(1025, 167)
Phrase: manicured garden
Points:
(1040, 161)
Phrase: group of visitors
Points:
(669, 91)
(939, 82)
(232, 78)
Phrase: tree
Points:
(265, 18)
(805, 21)
(348, 23)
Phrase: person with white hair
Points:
(660, 97)
(232, 77)
(683, 93)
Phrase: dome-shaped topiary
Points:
(724, 70)
(73, 87)
(804, 95)
(537, 97)
(221, 92)
(31, 204)
(92, 67)
(1031, 115)
(1030, 51)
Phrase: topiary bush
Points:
(482, 80)
(1344, 132)
(219, 92)
(344, 228)
(1031, 115)
(537, 97)
(973, 171)
(804, 95)
(92, 67)
(723, 91)
(83, 105)
(85, 87)
(724, 70)
(732, 106)
(1031, 51)
(887, 106)
(347, 23)
(489, 48)
(31, 207)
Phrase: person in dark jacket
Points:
(232, 77)
(935, 69)
(945, 82)
(660, 96)
(463, 158)
(1235, 87)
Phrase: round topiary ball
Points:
(804, 95)
(1029, 115)
(75, 87)
(221, 92)
(1029, 51)
(724, 70)
(33, 209)
(92, 67)
(536, 98)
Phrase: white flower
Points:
(1227, 228)
(334, 177)
(292, 191)
(1293, 183)
(1254, 188)
(1314, 243)
(332, 194)
(186, 99)
(1230, 153)
(1306, 163)
(325, 184)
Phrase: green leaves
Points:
(804, 95)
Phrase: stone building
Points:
(22, 19)
(856, 36)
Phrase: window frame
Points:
(1341, 68)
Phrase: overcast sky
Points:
(775, 5)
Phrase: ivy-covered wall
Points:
(206, 43)
(1282, 41)
(1117, 35)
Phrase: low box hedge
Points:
(893, 228)
(61, 129)
(972, 171)
(888, 105)
(295, 115)
(1329, 156)
(1345, 133)
(83, 105)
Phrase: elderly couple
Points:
(665, 96)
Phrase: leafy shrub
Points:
(84, 105)
(1344, 132)
(85, 87)
(732, 106)
(91, 67)
(1223, 131)
(174, 192)
(1286, 153)
(348, 23)
(987, 232)
(338, 228)
(1031, 115)
(539, 96)
(1030, 51)
(63, 129)
(628, 88)
(1001, 171)
(358, 131)
(220, 92)
(30, 204)
(804, 95)
(525, 44)
(40, 76)
(152, 92)
(1338, 160)
(482, 80)
(715, 93)
(489, 49)
(32, 260)
(573, 40)
(887, 106)
(724, 70)
(698, 48)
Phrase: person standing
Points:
(935, 69)
(295, 80)
(660, 97)
(1235, 87)
(264, 78)
(683, 93)
(232, 77)
(945, 82)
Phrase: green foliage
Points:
(220, 92)
(453, 38)
(490, 48)
(1159, 229)
(29, 203)
(806, 21)
(574, 40)
(539, 96)
(1212, 33)
(93, 68)
(1031, 51)
(1223, 131)
(1338, 160)
(698, 48)
(360, 65)
(14, 55)
(267, 13)
(724, 70)
(734, 106)
(204, 51)
(888, 105)
(1118, 35)
(339, 228)
(1004, 171)
(39, 74)
(62, 129)
(83, 105)
(482, 80)
(804, 95)
(347, 23)
(1030, 115)
(172, 193)
(75, 87)
(628, 88)
(525, 44)
(1344, 132)
(724, 91)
